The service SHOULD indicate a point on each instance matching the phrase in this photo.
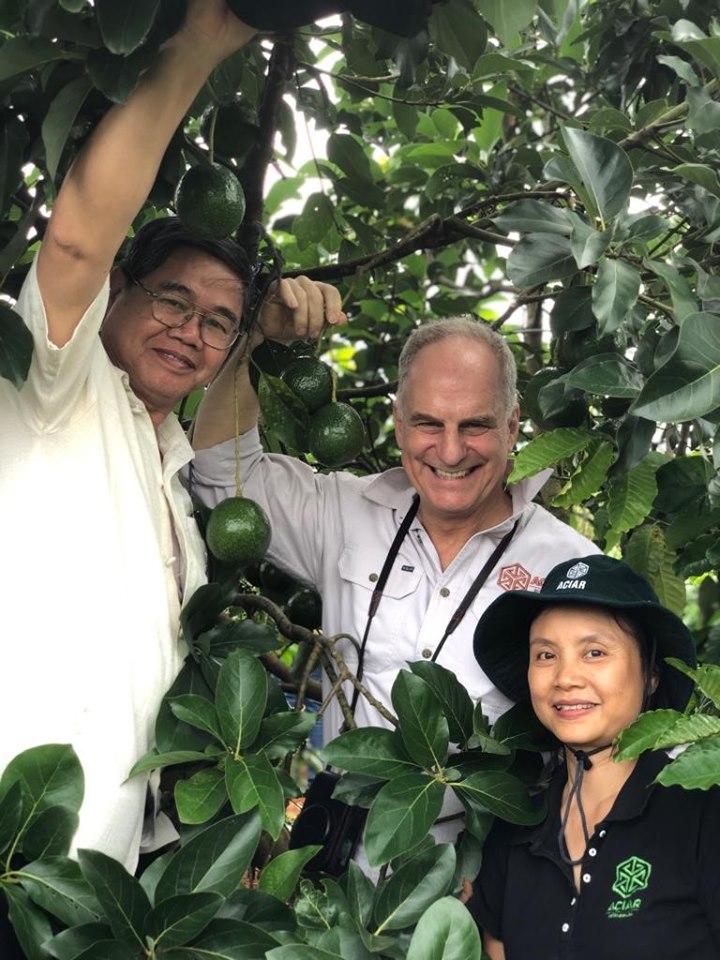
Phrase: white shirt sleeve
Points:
(58, 381)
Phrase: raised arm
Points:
(113, 174)
(298, 309)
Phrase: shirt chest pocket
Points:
(397, 620)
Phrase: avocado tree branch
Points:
(260, 155)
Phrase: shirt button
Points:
(592, 851)
(565, 927)
(427, 653)
(586, 878)
(444, 592)
(373, 577)
(573, 901)
(602, 833)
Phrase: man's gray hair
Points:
(444, 329)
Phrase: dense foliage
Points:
(548, 166)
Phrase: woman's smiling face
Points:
(586, 675)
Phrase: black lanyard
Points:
(462, 608)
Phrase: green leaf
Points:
(614, 294)
(572, 310)
(452, 696)
(401, 815)
(57, 885)
(300, 951)
(703, 49)
(198, 712)
(588, 478)
(548, 450)
(16, 346)
(72, 943)
(360, 895)
(419, 882)
(203, 608)
(697, 768)
(606, 375)
(683, 299)
(647, 553)
(631, 494)
(422, 726)
(688, 386)
(701, 174)
(533, 216)
(315, 221)
(107, 950)
(60, 118)
(11, 807)
(586, 243)
(124, 26)
(32, 927)
(508, 19)
(458, 30)
(499, 792)
(691, 729)
(446, 931)
(50, 833)
(280, 877)
(284, 732)
(240, 698)
(283, 413)
(116, 76)
(252, 783)
(706, 678)
(14, 140)
(156, 761)
(346, 152)
(235, 940)
(604, 168)
(213, 860)
(50, 775)
(374, 751)
(540, 257)
(21, 54)
(200, 797)
(123, 900)
(642, 734)
(254, 637)
(177, 920)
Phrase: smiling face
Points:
(454, 434)
(165, 364)
(585, 674)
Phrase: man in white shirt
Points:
(456, 421)
(100, 546)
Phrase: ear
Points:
(654, 679)
(514, 425)
(118, 282)
(398, 424)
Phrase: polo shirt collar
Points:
(629, 804)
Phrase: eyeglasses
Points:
(216, 330)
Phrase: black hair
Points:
(158, 239)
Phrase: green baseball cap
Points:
(502, 635)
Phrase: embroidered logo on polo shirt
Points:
(516, 577)
(631, 876)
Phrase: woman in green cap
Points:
(619, 867)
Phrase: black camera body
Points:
(333, 824)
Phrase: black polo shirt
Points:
(650, 879)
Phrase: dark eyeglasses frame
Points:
(194, 311)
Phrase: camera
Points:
(335, 825)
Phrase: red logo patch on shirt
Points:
(514, 577)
